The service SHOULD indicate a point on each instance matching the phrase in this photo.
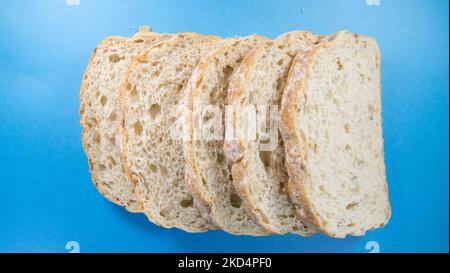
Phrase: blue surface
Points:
(47, 199)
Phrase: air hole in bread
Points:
(186, 203)
(339, 65)
(113, 116)
(203, 181)
(154, 111)
(281, 47)
(207, 116)
(112, 140)
(295, 228)
(142, 59)
(348, 147)
(352, 206)
(103, 100)
(134, 93)
(235, 200)
(227, 70)
(315, 148)
(236, 43)
(154, 74)
(280, 62)
(225, 172)
(163, 213)
(102, 167)
(302, 167)
(348, 128)
(291, 53)
(93, 121)
(111, 160)
(323, 190)
(265, 158)
(114, 58)
(137, 126)
(153, 168)
(220, 158)
(138, 41)
(96, 138)
(282, 188)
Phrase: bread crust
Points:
(300, 71)
(125, 135)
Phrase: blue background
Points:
(47, 198)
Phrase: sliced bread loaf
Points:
(207, 172)
(331, 125)
(99, 111)
(154, 157)
(259, 174)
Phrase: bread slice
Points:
(207, 172)
(331, 124)
(154, 157)
(99, 111)
(259, 176)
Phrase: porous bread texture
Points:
(100, 115)
(259, 176)
(154, 158)
(208, 174)
(331, 125)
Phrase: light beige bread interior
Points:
(259, 176)
(153, 155)
(208, 173)
(331, 124)
(99, 111)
